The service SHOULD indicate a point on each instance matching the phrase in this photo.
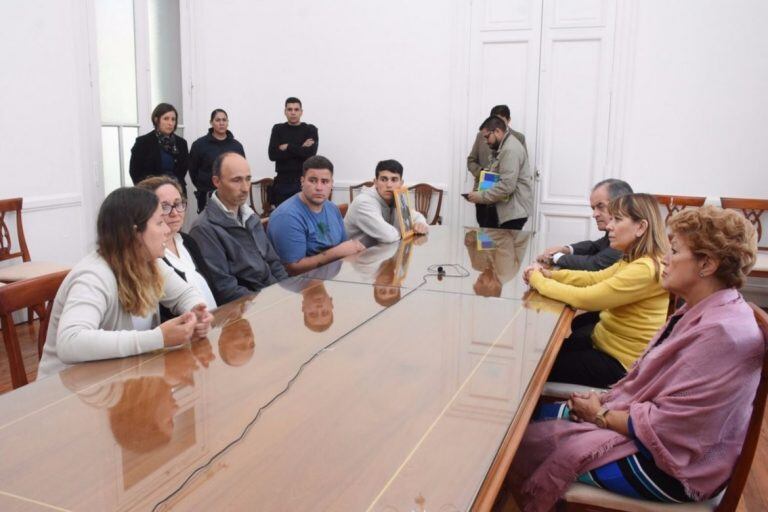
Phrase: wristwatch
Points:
(600, 420)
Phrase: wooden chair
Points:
(18, 296)
(582, 497)
(674, 204)
(359, 186)
(343, 209)
(752, 210)
(422, 196)
(27, 268)
(265, 187)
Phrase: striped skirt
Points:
(635, 476)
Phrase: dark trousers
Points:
(488, 218)
(202, 198)
(283, 191)
(579, 362)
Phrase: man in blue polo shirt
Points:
(307, 230)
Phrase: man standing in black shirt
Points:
(289, 145)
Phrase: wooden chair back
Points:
(6, 246)
(422, 199)
(343, 209)
(674, 204)
(743, 465)
(353, 188)
(752, 209)
(38, 291)
(265, 188)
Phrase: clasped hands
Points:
(533, 268)
(584, 406)
(192, 325)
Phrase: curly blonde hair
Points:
(725, 236)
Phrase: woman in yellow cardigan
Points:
(628, 295)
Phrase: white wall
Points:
(687, 94)
(375, 78)
(46, 142)
(698, 105)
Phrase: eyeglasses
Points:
(179, 206)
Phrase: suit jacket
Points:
(590, 255)
(146, 160)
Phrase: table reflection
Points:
(493, 259)
(498, 255)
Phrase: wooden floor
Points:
(755, 498)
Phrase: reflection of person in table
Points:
(317, 307)
(385, 287)
(236, 343)
(143, 418)
(498, 265)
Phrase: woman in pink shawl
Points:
(672, 428)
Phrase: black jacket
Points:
(146, 160)
(590, 255)
(203, 153)
(200, 265)
(288, 163)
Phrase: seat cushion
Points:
(589, 495)
(29, 269)
(563, 390)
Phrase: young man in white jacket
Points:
(371, 217)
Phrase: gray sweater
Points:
(88, 323)
(371, 220)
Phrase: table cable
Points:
(439, 270)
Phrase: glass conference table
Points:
(368, 385)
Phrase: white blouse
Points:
(186, 264)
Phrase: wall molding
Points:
(52, 202)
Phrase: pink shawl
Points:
(690, 401)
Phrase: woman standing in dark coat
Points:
(206, 149)
(161, 152)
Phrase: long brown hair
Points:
(122, 216)
(654, 242)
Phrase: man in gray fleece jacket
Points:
(371, 217)
(231, 239)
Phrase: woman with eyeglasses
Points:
(182, 253)
(107, 306)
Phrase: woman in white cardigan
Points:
(107, 306)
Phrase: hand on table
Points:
(533, 268)
(420, 228)
(179, 330)
(203, 319)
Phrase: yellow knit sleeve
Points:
(628, 284)
(586, 277)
